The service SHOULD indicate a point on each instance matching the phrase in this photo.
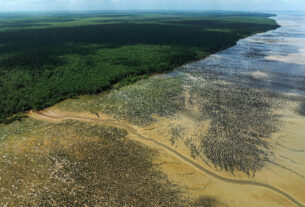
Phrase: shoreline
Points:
(116, 83)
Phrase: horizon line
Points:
(146, 10)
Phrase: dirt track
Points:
(56, 116)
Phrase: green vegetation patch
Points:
(138, 103)
(43, 66)
(19, 129)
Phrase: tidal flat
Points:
(223, 131)
(74, 163)
(227, 128)
(237, 113)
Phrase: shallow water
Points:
(245, 141)
(273, 60)
(211, 114)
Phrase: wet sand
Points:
(228, 129)
(194, 181)
(271, 64)
(291, 58)
(235, 102)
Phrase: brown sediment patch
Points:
(291, 58)
(196, 184)
(259, 75)
(79, 164)
(240, 116)
(287, 167)
(187, 176)
(153, 143)
(236, 121)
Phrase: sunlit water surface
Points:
(273, 60)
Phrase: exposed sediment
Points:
(133, 131)
(74, 163)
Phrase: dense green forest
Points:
(45, 59)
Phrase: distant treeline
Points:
(40, 67)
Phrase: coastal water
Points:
(240, 84)
(222, 130)
(273, 60)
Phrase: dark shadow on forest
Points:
(35, 21)
(22, 25)
(35, 71)
(50, 42)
